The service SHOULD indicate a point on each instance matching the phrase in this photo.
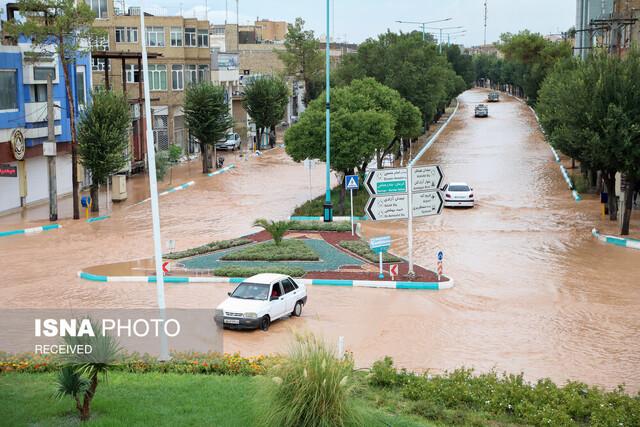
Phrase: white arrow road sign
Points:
(426, 178)
(426, 203)
(386, 181)
(388, 207)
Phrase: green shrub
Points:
(383, 374)
(320, 226)
(580, 183)
(209, 247)
(276, 229)
(361, 248)
(239, 271)
(310, 388)
(315, 207)
(288, 250)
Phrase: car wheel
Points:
(297, 310)
(264, 323)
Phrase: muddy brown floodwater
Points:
(535, 293)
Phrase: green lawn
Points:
(314, 207)
(153, 399)
(360, 247)
(287, 250)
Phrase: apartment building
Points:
(179, 55)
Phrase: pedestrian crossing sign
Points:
(351, 182)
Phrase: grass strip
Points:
(209, 247)
(238, 271)
(320, 226)
(361, 248)
(287, 250)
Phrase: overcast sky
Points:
(359, 19)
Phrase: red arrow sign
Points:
(393, 270)
(164, 266)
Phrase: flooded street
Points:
(535, 292)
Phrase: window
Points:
(176, 36)
(39, 93)
(190, 37)
(100, 43)
(276, 291)
(126, 34)
(133, 74)
(41, 73)
(99, 7)
(288, 286)
(8, 90)
(81, 84)
(218, 31)
(158, 77)
(192, 74)
(203, 38)
(177, 77)
(97, 64)
(155, 36)
(203, 73)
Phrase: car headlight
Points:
(219, 312)
(251, 315)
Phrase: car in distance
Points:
(261, 299)
(481, 110)
(230, 142)
(458, 194)
(493, 97)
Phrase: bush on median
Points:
(238, 271)
(320, 226)
(361, 248)
(209, 247)
(287, 250)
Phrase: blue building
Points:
(23, 118)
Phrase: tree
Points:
(80, 374)
(103, 138)
(589, 111)
(276, 229)
(207, 116)
(363, 122)
(302, 57)
(175, 152)
(266, 101)
(66, 27)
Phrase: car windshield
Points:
(458, 188)
(258, 291)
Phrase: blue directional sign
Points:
(440, 255)
(351, 182)
(380, 244)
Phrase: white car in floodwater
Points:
(261, 299)
(458, 194)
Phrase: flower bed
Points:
(287, 250)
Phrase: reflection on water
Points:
(534, 291)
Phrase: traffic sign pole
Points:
(381, 276)
(351, 191)
(410, 273)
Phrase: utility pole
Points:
(328, 206)
(49, 150)
(485, 22)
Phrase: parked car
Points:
(231, 142)
(493, 97)
(260, 300)
(481, 110)
(458, 194)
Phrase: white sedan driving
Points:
(458, 194)
(261, 299)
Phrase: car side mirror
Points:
(229, 293)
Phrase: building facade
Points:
(179, 55)
(588, 32)
(24, 70)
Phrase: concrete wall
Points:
(260, 59)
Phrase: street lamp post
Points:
(440, 29)
(328, 207)
(423, 25)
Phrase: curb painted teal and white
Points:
(624, 242)
(309, 282)
(435, 136)
(98, 218)
(169, 191)
(32, 230)
(222, 170)
(565, 175)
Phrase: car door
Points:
(277, 304)
(290, 295)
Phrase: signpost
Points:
(393, 270)
(440, 256)
(351, 183)
(404, 193)
(380, 245)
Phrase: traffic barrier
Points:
(624, 242)
(30, 230)
(310, 282)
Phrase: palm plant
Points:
(276, 229)
(79, 376)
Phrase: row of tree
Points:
(590, 111)
(527, 59)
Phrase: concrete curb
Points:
(30, 230)
(624, 242)
(98, 218)
(435, 136)
(309, 282)
(164, 193)
(565, 175)
(223, 170)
